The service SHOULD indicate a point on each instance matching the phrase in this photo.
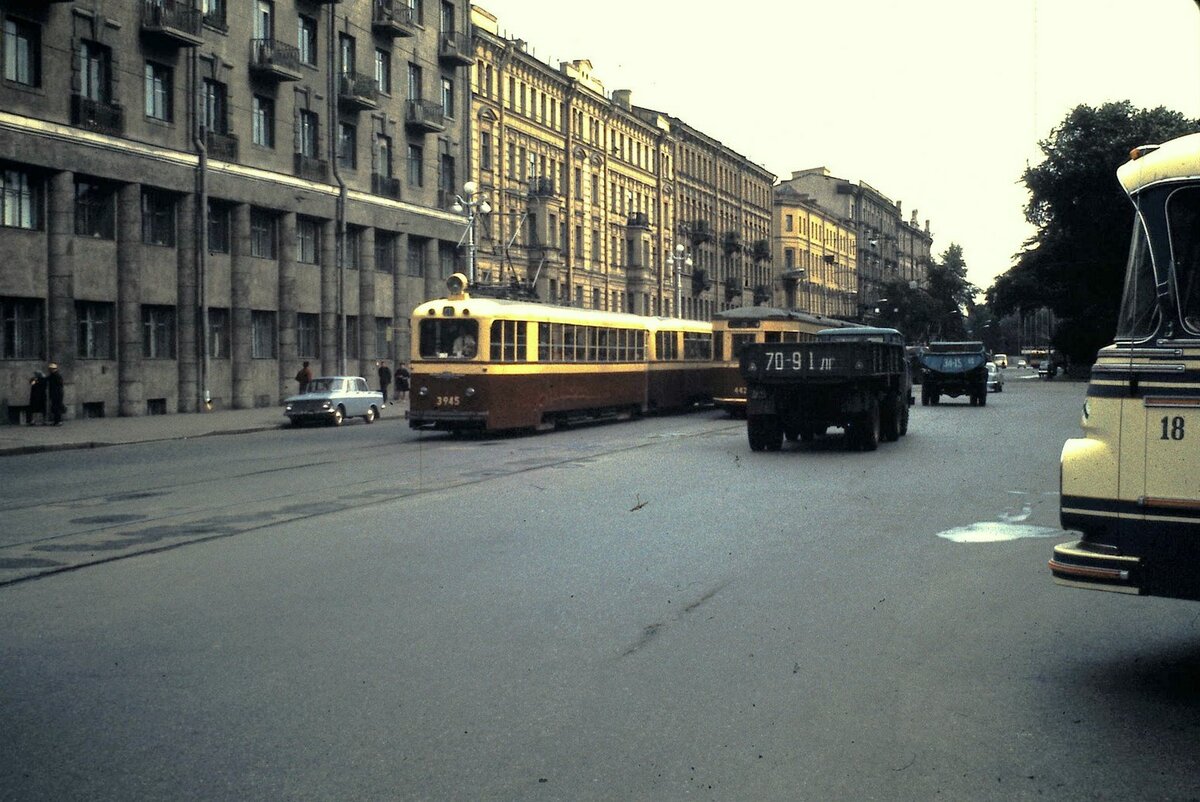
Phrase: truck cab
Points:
(954, 369)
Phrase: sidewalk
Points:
(98, 432)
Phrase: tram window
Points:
(448, 339)
(719, 346)
(697, 345)
(773, 336)
(1183, 216)
(543, 342)
(640, 340)
(590, 333)
(508, 341)
(568, 343)
(740, 341)
(791, 336)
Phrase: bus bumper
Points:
(1078, 565)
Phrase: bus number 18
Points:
(1172, 428)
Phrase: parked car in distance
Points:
(995, 379)
(1021, 363)
(1001, 360)
(332, 399)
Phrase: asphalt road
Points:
(645, 610)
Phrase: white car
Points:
(332, 399)
(995, 379)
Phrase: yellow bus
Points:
(1130, 485)
(734, 329)
(489, 363)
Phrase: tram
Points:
(493, 364)
(1129, 484)
(734, 329)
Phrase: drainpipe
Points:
(203, 395)
(340, 245)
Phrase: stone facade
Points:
(817, 256)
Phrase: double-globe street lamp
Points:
(473, 207)
(681, 259)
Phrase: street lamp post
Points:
(473, 208)
(681, 259)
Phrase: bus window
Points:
(1138, 306)
(448, 339)
(1183, 217)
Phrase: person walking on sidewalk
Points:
(54, 395)
(37, 398)
(303, 377)
(402, 377)
(385, 379)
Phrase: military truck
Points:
(954, 369)
(856, 379)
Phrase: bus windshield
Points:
(448, 339)
(1183, 218)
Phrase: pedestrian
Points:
(37, 398)
(54, 394)
(303, 377)
(385, 379)
(402, 377)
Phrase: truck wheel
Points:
(890, 419)
(764, 433)
(864, 432)
(983, 396)
(808, 432)
(924, 396)
(791, 433)
(904, 422)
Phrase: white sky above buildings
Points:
(936, 103)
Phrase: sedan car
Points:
(995, 379)
(332, 399)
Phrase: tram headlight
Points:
(469, 392)
(424, 391)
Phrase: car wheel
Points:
(372, 414)
(338, 416)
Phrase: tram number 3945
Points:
(1173, 428)
(780, 360)
(447, 401)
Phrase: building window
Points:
(383, 164)
(350, 247)
(347, 153)
(446, 173)
(788, 222)
(308, 335)
(485, 151)
(416, 171)
(214, 13)
(448, 259)
(385, 252)
(415, 82)
(95, 209)
(309, 133)
(218, 227)
(352, 335)
(264, 20)
(22, 52)
(345, 54)
(418, 11)
(158, 218)
(383, 327)
(158, 92)
(158, 332)
(262, 340)
(22, 334)
(789, 259)
(308, 241)
(307, 41)
(218, 333)
(263, 128)
(383, 71)
(95, 330)
(95, 73)
(416, 256)
(262, 234)
(20, 199)
(448, 97)
(216, 107)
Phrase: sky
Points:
(938, 104)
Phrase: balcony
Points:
(425, 116)
(222, 146)
(541, 187)
(97, 115)
(275, 60)
(638, 220)
(311, 168)
(385, 185)
(455, 48)
(393, 19)
(357, 92)
(637, 274)
(172, 22)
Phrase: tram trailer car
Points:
(856, 379)
(496, 364)
(1128, 485)
(954, 369)
(734, 329)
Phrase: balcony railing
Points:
(312, 168)
(391, 18)
(97, 115)
(222, 146)
(455, 48)
(175, 22)
(638, 220)
(357, 92)
(274, 59)
(424, 115)
(541, 187)
(385, 185)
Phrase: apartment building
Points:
(817, 255)
(197, 195)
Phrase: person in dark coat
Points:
(402, 377)
(54, 395)
(385, 379)
(37, 398)
(303, 377)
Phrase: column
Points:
(60, 312)
(366, 305)
(402, 302)
(130, 392)
(289, 361)
(241, 321)
(330, 314)
(187, 313)
(435, 285)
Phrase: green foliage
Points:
(1074, 264)
(934, 312)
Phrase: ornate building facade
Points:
(197, 196)
(817, 256)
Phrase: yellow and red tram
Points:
(493, 364)
(734, 329)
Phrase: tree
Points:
(1074, 264)
(935, 312)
